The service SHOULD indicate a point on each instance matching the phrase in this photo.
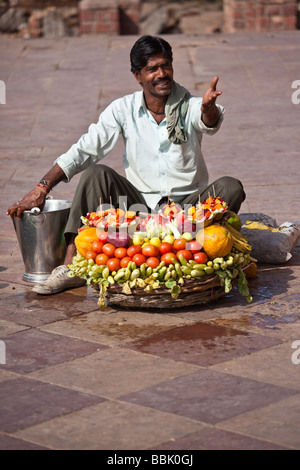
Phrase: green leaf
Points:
(170, 284)
(175, 291)
(221, 273)
(228, 285)
(243, 286)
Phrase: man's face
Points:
(156, 77)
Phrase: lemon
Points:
(169, 239)
(187, 236)
(155, 241)
(138, 240)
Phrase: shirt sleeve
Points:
(199, 124)
(92, 146)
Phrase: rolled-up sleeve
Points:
(92, 146)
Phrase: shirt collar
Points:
(141, 107)
(141, 104)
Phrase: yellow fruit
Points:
(251, 271)
(169, 239)
(216, 241)
(138, 240)
(155, 241)
(187, 236)
(84, 240)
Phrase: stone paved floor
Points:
(207, 377)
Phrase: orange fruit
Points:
(84, 240)
(251, 271)
(216, 240)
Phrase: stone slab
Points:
(113, 372)
(12, 443)
(115, 327)
(273, 365)
(278, 423)
(216, 439)
(30, 402)
(31, 349)
(209, 396)
(115, 425)
(202, 344)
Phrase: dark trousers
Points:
(100, 185)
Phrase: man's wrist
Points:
(44, 186)
(210, 117)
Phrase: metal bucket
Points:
(41, 238)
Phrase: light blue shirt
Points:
(153, 164)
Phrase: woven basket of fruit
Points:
(193, 292)
(167, 260)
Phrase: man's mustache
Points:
(161, 80)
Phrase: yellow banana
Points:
(235, 233)
(240, 242)
(241, 246)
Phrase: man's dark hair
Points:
(146, 47)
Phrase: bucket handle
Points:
(36, 218)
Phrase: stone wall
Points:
(259, 15)
(58, 18)
(109, 16)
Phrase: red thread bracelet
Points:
(43, 187)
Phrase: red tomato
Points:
(169, 258)
(97, 246)
(139, 259)
(194, 246)
(150, 250)
(90, 255)
(153, 262)
(113, 264)
(120, 252)
(179, 244)
(187, 254)
(109, 249)
(102, 235)
(133, 250)
(165, 247)
(124, 261)
(101, 259)
(200, 257)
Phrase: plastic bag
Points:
(271, 244)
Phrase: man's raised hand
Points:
(210, 112)
(210, 96)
